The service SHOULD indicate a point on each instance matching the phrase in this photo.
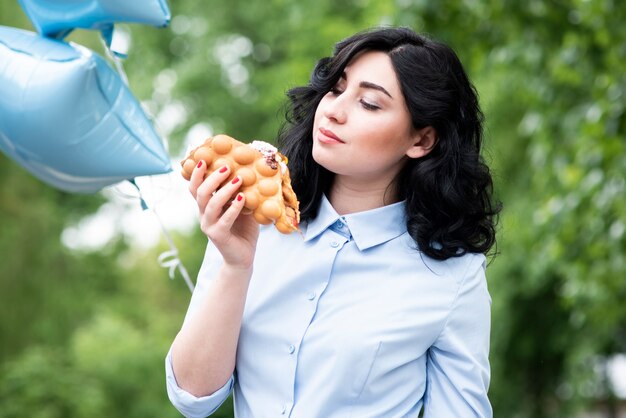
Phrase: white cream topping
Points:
(271, 151)
(264, 147)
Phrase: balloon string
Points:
(120, 68)
(167, 259)
(115, 57)
(170, 260)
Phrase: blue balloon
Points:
(56, 18)
(67, 117)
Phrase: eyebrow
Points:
(369, 85)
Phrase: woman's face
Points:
(362, 127)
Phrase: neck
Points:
(348, 196)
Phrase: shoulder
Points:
(456, 268)
(460, 267)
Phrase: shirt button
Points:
(310, 296)
(291, 349)
(334, 244)
(339, 224)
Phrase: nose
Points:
(334, 109)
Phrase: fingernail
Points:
(239, 197)
(235, 180)
(223, 169)
(199, 163)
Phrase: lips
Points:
(328, 136)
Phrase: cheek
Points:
(384, 144)
(376, 136)
(317, 118)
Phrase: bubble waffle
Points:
(263, 171)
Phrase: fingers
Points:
(217, 198)
(217, 224)
(196, 177)
(203, 189)
(226, 221)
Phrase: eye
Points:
(368, 106)
(338, 88)
(335, 91)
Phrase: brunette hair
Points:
(448, 192)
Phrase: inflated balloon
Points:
(67, 117)
(56, 18)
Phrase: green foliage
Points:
(43, 383)
(84, 334)
(39, 271)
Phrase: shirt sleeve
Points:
(458, 369)
(189, 405)
(186, 403)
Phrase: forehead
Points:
(374, 67)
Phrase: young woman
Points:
(380, 308)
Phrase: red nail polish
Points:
(199, 163)
(235, 180)
(239, 197)
(223, 169)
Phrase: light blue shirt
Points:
(349, 320)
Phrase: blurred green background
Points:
(84, 331)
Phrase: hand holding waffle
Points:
(266, 185)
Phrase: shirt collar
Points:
(368, 228)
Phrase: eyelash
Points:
(368, 106)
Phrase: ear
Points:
(424, 141)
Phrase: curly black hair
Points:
(450, 210)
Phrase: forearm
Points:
(204, 351)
